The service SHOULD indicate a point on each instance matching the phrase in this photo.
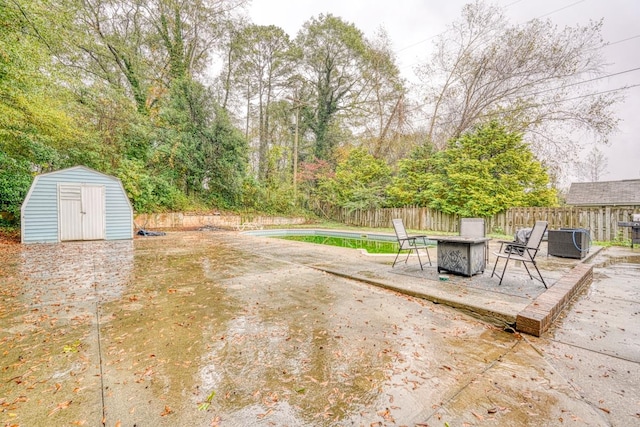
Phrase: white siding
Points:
(40, 209)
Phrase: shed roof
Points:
(606, 193)
(78, 168)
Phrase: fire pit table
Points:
(461, 255)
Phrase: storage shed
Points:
(78, 203)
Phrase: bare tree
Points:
(385, 113)
(529, 76)
(594, 167)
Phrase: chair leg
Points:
(494, 270)
(419, 260)
(396, 260)
(541, 279)
(409, 254)
(428, 256)
(525, 267)
(504, 270)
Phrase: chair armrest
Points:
(511, 247)
(517, 245)
(412, 240)
(504, 242)
(420, 236)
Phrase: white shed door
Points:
(81, 212)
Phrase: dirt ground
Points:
(9, 237)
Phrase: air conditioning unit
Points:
(569, 242)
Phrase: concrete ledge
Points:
(188, 220)
(538, 316)
(481, 308)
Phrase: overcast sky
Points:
(413, 24)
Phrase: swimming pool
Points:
(373, 243)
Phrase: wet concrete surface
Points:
(217, 328)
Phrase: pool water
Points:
(371, 246)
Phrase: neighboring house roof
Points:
(607, 193)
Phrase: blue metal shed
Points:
(78, 203)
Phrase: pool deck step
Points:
(538, 316)
(530, 317)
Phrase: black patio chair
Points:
(409, 243)
(525, 252)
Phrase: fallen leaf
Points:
(60, 406)
(478, 416)
(261, 416)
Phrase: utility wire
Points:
(504, 7)
(601, 47)
(584, 81)
(560, 9)
(623, 40)
(416, 108)
(497, 113)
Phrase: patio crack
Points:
(466, 385)
(96, 284)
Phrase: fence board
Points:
(601, 221)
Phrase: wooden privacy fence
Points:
(602, 222)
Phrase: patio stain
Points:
(613, 260)
(184, 315)
(49, 364)
(243, 333)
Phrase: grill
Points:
(635, 229)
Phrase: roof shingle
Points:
(606, 193)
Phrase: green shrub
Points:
(15, 180)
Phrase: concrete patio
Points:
(479, 295)
(218, 328)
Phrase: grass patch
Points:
(370, 245)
